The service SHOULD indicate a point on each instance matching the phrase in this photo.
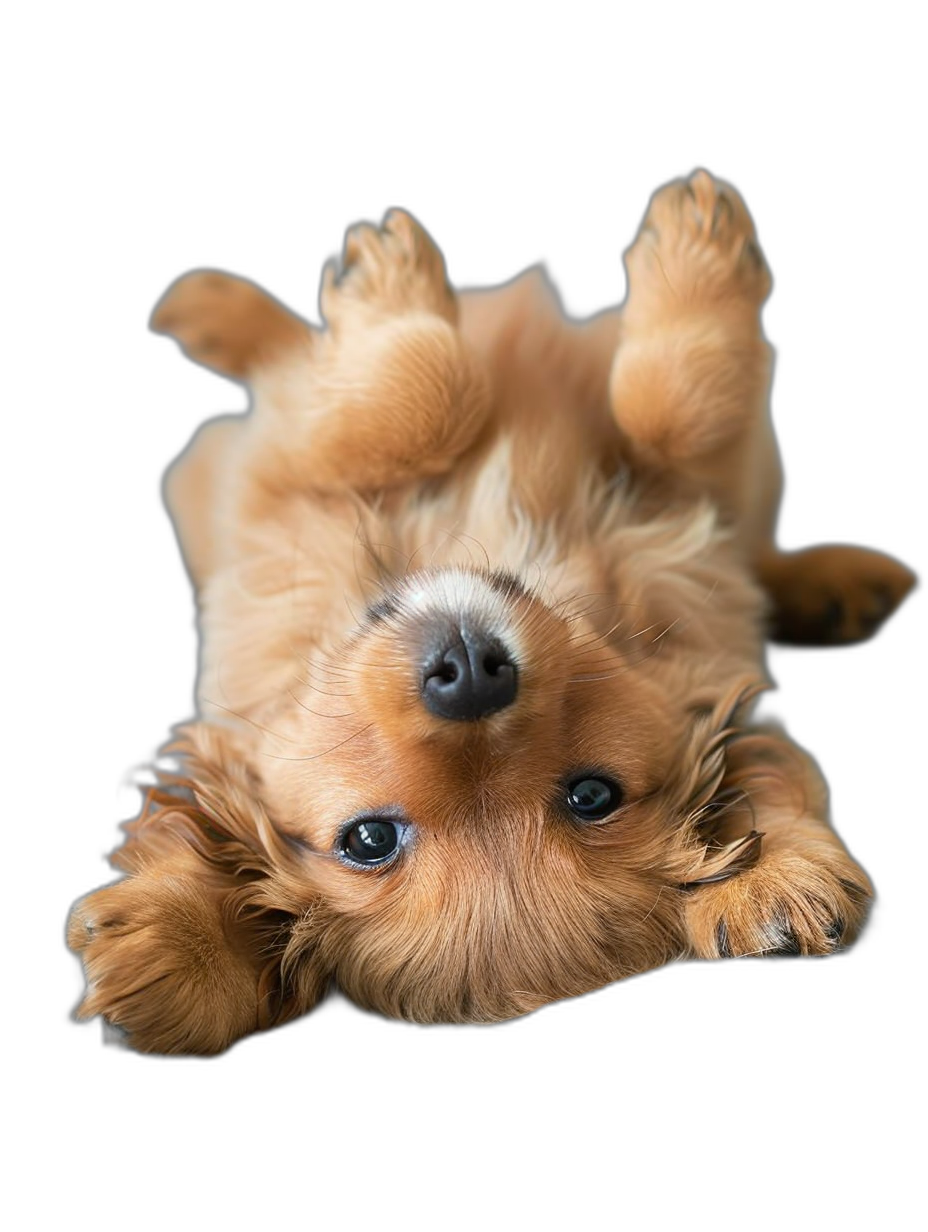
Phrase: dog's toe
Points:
(395, 267)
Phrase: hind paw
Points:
(394, 268)
(697, 245)
(226, 323)
(833, 595)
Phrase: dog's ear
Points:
(793, 890)
(214, 932)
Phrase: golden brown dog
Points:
(483, 598)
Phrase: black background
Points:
(847, 417)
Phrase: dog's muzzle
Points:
(467, 674)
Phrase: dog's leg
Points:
(211, 934)
(690, 378)
(832, 594)
(805, 894)
(161, 963)
(195, 487)
(689, 389)
(388, 392)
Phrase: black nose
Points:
(468, 676)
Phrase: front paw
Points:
(387, 270)
(787, 904)
(159, 966)
(697, 245)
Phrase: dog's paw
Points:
(833, 595)
(159, 968)
(787, 904)
(226, 323)
(392, 269)
(697, 245)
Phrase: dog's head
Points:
(483, 801)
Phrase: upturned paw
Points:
(697, 244)
(159, 967)
(833, 595)
(786, 904)
(390, 269)
(227, 323)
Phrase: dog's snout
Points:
(468, 675)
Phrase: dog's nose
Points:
(468, 676)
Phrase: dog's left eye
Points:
(371, 841)
(593, 798)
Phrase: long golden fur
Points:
(597, 500)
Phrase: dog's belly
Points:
(553, 431)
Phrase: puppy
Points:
(483, 596)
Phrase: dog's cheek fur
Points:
(494, 919)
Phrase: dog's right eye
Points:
(592, 798)
(373, 840)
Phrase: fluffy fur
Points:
(600, 495)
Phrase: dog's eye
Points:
(371, 841)
(592, 799)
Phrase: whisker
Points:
(641, 654)
(389, 547)
(318, 713)
(421, 548)
(315, 688)
(338, 674)
(592, 611)
(628, 661)
(664, 633)
(654, 904)
(361, 666)
(603, 676)
(542, 584)
(575, 612)
(316, 756)
(450, 534)
(590, 662)
(245, 719)
(583, 647)
(486, 556)
(647, 629)
(590, 594)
